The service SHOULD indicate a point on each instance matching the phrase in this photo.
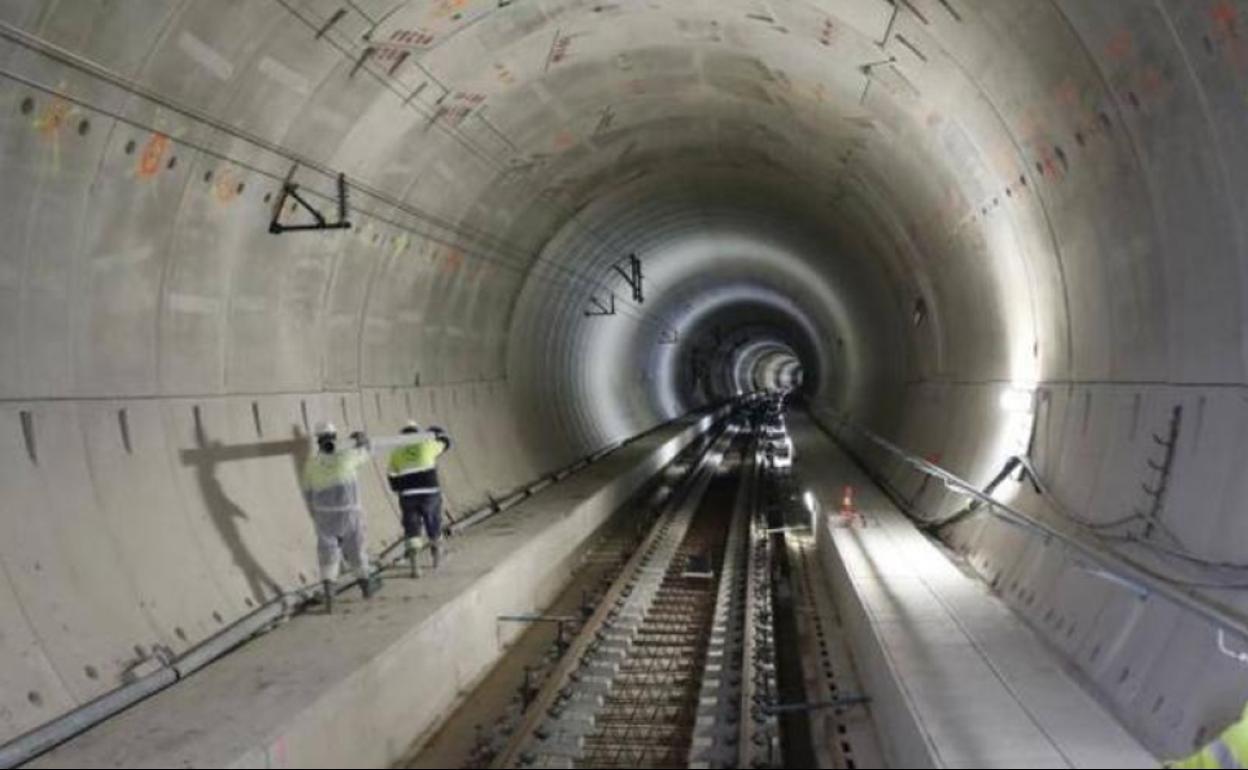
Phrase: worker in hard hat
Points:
(1230, 749)
(413, 474)
(331, 487)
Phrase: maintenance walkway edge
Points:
(359, 687)
(956, 679)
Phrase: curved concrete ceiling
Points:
(924, 204)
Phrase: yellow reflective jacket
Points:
(413, 468)
(1230, 749)
(329, 480)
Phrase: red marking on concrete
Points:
(225, 188)
(933, 458)
(1067, 94)
(564, 139)
(454, 258)
(1119, 46)
(1152, 82)
(153, 153)
(447, 8)
(1224, 16)
(53, 117)
(458, 106)
(280, 752)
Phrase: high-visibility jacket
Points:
(330, 480)
(1230, 749)
(413, 468)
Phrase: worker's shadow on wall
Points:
(228, 515)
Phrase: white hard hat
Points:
(326, 428)
(411, 426)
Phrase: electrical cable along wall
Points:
(963, 218)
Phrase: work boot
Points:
(410, 555)
(437, 554)
(370, 585)
(327, 587)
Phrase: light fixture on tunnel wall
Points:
(290, 189)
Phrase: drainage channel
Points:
(826, 714)
(655, 677)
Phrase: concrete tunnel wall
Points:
(941, 201)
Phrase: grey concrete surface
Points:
(956, 679)
(356, 688)
(929, 204)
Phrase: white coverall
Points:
(331, 488)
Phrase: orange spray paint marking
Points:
(225, 189)
(448, 7)
(53, 117)
(153, 152)
(454, 258)
(564, 139)
(1119, 46)
(1067, 95)
(1224, 16)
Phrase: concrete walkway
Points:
(957, 679)
(355, 688)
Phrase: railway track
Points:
(673, 667)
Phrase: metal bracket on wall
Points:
(866, 70)
(291, 190)
(1157, 494)
(632, 276)
(599, 308)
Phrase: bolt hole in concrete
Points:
(91, 672)
(35, 698)
(84, 127)
(130, 147)
(28, 106)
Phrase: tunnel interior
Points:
(978, 227)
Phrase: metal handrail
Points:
(1118, 568)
